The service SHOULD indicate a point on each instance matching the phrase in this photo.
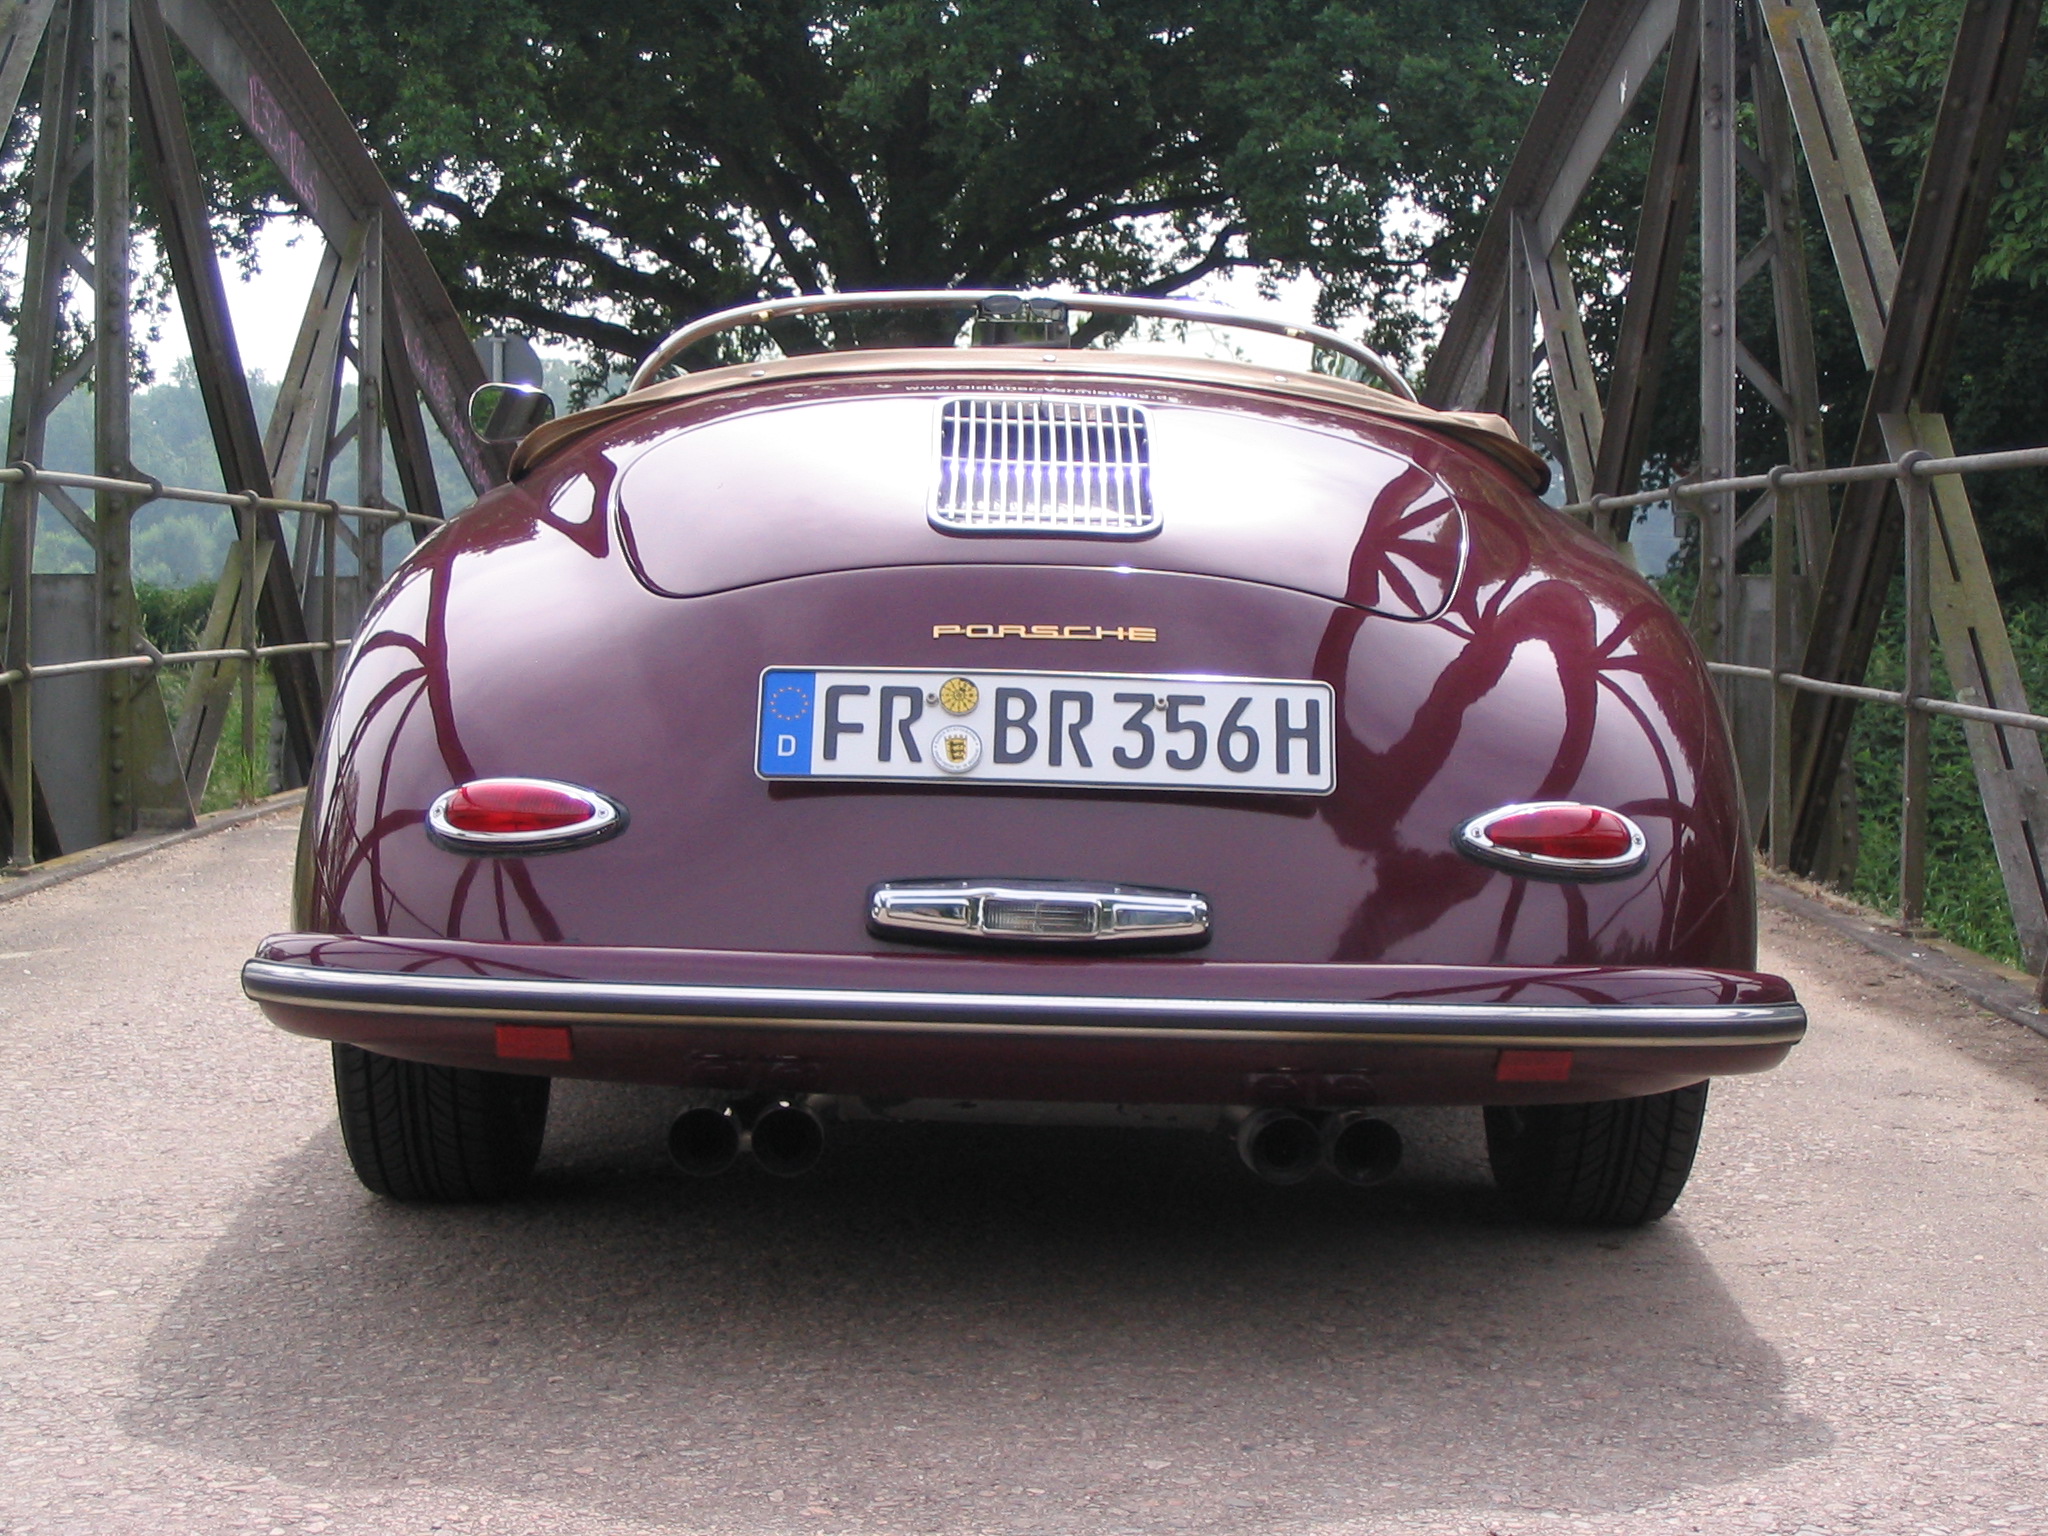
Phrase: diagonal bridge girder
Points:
(1830, 577)
(107, 64)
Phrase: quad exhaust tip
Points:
(1284, 1146)
(1280, 1146)
(705, 1142)
(1359, 1149)
(785, 1139)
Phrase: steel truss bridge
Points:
(88, 752)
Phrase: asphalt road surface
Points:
(206, 1325)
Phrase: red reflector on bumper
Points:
(1533, 1067)
(545, 1042)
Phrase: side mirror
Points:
(504, 413)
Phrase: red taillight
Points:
(1556, 837)
(521, 816)
(1562, 832)
(497, 806)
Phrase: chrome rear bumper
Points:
(330, 990)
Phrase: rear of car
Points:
(1021, 727)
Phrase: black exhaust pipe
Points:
(1359, 1149)
(1280, 1146)
(704, 1141)
(787, 1140)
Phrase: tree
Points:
(1895, 57)
(598, 173)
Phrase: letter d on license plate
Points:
(1101, 730)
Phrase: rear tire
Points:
(1618, 1163)
(419, 1132)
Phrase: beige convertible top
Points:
(1488, 433)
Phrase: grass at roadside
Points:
(173, 618)
(1966, 901)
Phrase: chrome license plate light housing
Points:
(1037, 912)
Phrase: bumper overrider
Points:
(1153, 1030)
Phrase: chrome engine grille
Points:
(1025, 464)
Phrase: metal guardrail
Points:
(1914, 471)
(106, 129)
(155, 490)
(1785, 477)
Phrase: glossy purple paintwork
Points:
(604, 621)
(743, 494)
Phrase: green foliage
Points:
(238, 778)
(596, 176)
(1895, 57)
(1996, 400)
(1966, 900)
(174, 617)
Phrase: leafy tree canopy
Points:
(1895, 59)
(598, 172)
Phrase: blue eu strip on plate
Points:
(787, 712)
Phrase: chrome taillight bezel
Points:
(1472, 840)
(606, 819)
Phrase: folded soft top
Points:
(1487, 433)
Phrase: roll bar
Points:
(967, 298)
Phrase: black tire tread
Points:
(1616, 1163)
(417, 1132)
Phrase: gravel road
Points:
(206, 1326)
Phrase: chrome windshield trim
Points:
(678, 342)
(652, 1003)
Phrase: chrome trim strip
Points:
(1472, 839)
(1558, 1024)
(1452, 587)
(977, 909)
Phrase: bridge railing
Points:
(1754, 135)
(381, 362)
(147, 491)
(251, 552)
(1914, 471)
(1748, 88)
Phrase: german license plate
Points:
(1103, 730)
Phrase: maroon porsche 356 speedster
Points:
(972, 716)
